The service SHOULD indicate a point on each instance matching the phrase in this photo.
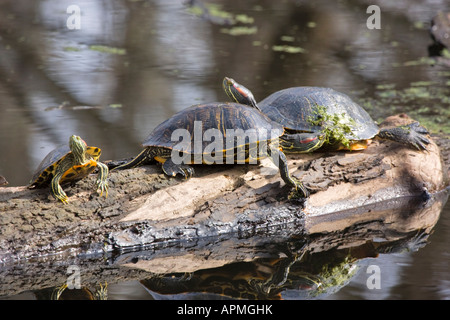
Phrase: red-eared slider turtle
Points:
(83, 293)
(241, 134)
(70, 163)
(299, 110)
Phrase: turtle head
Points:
(239, 93)
(78, 148)
(302, 142)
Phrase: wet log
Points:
(145, 209)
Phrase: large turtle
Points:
(297, 110)
(70, 163)
(241, 134)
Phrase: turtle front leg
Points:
(412, 135)
(57, 191)
(102, 182)
(171, 169)
(279, 158)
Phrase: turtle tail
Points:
(142, 158)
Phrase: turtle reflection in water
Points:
(70, 163)
(300, 275)
(274, 279)
(312, 110)
(84, 293)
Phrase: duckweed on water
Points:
(239, 31)
(215, 14)
(422, 83)
(243, 18)
(287, 38)
(212, 10)
(419, 62)
(425, 101)
(71, 49)
(386, 86)
(288, 49)
(106, 49)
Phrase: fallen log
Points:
(144, 208)
(310, 252)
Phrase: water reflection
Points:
(308, 276)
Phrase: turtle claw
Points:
(417, 136)
(188, 171)
(171, 169)
(299, 191)
(59, 194)
(413, 135)
(418, 128)
(184, 171)
(421, 142)
(102, 188)
(64, 199)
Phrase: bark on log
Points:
(145, 209)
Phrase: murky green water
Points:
(132, 64)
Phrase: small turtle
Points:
(83, 293)
(69, 164)
(296, 110)
(196, 122)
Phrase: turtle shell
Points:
(197, 121)
(293, 106)
(46, 169)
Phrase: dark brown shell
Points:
(220, 116)
(293, 106)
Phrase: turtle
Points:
(70, 163)
(297, 108)
(81, 293)
(242, 134)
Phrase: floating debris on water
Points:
(288, 49)
(106, 49)
(243, 18)
(214, 14)
(287, 38)
(71, 49)
(239, 31)
(66, 106)
(419, 96)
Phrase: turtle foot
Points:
(102, 188)
(63, 198)
(412, 135)
(299, 192)
(171, 169)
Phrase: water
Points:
(135, 63)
